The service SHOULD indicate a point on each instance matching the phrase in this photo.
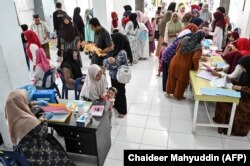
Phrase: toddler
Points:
(109, 96)
(163, 46)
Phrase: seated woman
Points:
(71, 68)
(95, 84)
(187, 58)
(42, 66)
(31, 135)
(234, 54)
(241, 124)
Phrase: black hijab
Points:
(245, 77)
(172, 6)
(132, 17)
(77, 19)
(68, 31)
(70, 63)
(121, 42)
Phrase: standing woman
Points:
(77, 19)
(186, 58)
(205, 14)
(218, 29)
(112, 64)
(70, 36)
(89, 34)
(33, 44)
(173, 28)
(131, 30)
(145, 26)
(162, 26)
(114, 23)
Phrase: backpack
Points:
(9, 158)
(123, 74)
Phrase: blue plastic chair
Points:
(53, 85)
(77, 83)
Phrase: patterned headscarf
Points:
(193, 42)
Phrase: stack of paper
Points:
(220, 92)
(205, 75)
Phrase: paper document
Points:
(220, 92)
(205, 75)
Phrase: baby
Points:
(109, 96)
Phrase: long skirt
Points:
(241, 123)
(120, 99)
(42, 149)
(164, 75)
(176, 87)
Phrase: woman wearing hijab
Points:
(186, 58)
(232, 39)
(144, 27)
(32, 45)
(95, 84)
(233, 54)
(181, 11)
(205, 14)
(31, 135)
(197, 21)
(112, 64)
(77, 19)
(89, 34)
(123, 42)
(165, 19)
(71, 68)
(70, 36)
(43, 65)
(170, 51)
(241, 124)
(125, 16)
(173, 27)
(115, 23)
(218, 29)
(132, 30)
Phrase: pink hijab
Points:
(18, 115)
(41, 60)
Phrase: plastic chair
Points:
(65, 89)
(53, 85)
(78, 82)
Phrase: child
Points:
(109, 96)
(163, 46)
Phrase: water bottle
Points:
(80, 107)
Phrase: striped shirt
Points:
(41, 30)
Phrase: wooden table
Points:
(198, 83)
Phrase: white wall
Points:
(48, 9)
(13, 68)
(239, 17)
(25, 10)
(118, 6)
(102, 10)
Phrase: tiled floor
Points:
(156, 122)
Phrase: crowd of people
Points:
(178, 32)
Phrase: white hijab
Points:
(93, 89)
(184, 32)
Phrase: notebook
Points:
(97, 110)
(61, 113)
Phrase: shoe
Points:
(121, 116)
(167, 95)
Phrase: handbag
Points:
(123, 74)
